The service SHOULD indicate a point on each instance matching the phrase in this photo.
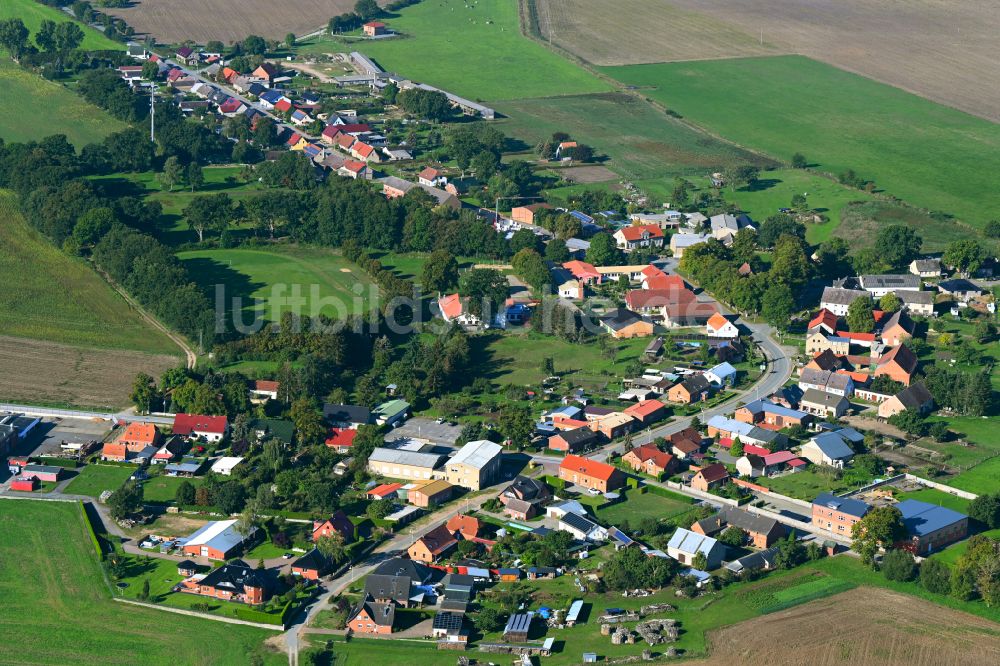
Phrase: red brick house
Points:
(710, 477)
(338, 523)
(137, 436)
(310, 566)
(372, 617)
(573, 440)
(526, 214)
(898, 364)
(234, 581)
(590, 473)
(649, 459)
(432, 545)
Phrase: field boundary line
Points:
(191, 613)
(190, 356)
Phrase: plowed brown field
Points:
(862, 627)
(944, 50)
(39, 372)
(228, 20)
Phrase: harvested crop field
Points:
(939, 49)
(588, 174)
(174, 21)
(55, 374)
(866, 627)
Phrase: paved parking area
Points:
(50, 434)
(429, 429)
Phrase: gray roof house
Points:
(685, 545)
(827, 448)
(821, 403)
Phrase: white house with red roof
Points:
(718, 326)
(639, 235)
(211, 428)
(432, 177)
(353, 169)
(454, 308)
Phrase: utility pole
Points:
(152, 112)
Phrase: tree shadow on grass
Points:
(208, 272)
(760, 185)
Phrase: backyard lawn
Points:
(938, 497)
(840, 121)
(69, 618)
(94, 479)
(475, 50)
(638, 507)
(804, 485)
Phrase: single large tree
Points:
(440, 272)
(880, 528)
(897, 245)
(859, 315)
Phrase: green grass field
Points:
(314, 280)
(164, 488)
(471, 49)
(938, 497)
(51, 296)
(515, 359)
(776, 188)
(60, 609)
(33, 13)
(173, 228)
(979, 479)
(951, 554)
(93, 480)
(640, 141)
(637, 507)
(929, 155)
(804, 485)
(32, 108)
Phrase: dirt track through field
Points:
(51, 373)
(862, 627)
(172, 21)
(944, 50)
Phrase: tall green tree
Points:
(440, 273)
(897, 245)
(879, 529)
(603, 251)
(143, 392)
(966, 256)
(859, 315)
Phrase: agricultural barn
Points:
(217, 540)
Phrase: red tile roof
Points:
(582, 270)
(352, 128)
(362, 149)
(140, 433)
(341, 437)
(649, 452)
(860, 337)
(754, 450)
(450, 306)
(429, 173)
(467, 526)
(645, 408)
(186, 424)
(591, 468)
(265, 385)
(664, 281)
(717, 321)
(293, 139)
(635, 232)
(354, 166)
(283, 105)
(345, 141)
(826, 318)
(330, 131)
(385, 490)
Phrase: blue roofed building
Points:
(837, 514)
(685, 545)
(827, 448)
(930, 527)
(723, 374)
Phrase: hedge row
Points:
(93, 535)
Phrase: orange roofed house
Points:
(432, 545)
(590, 473)
(467, 526)
(710, 477)
(134, 438)
(640, 235)
(647, 411)
(649, 459)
